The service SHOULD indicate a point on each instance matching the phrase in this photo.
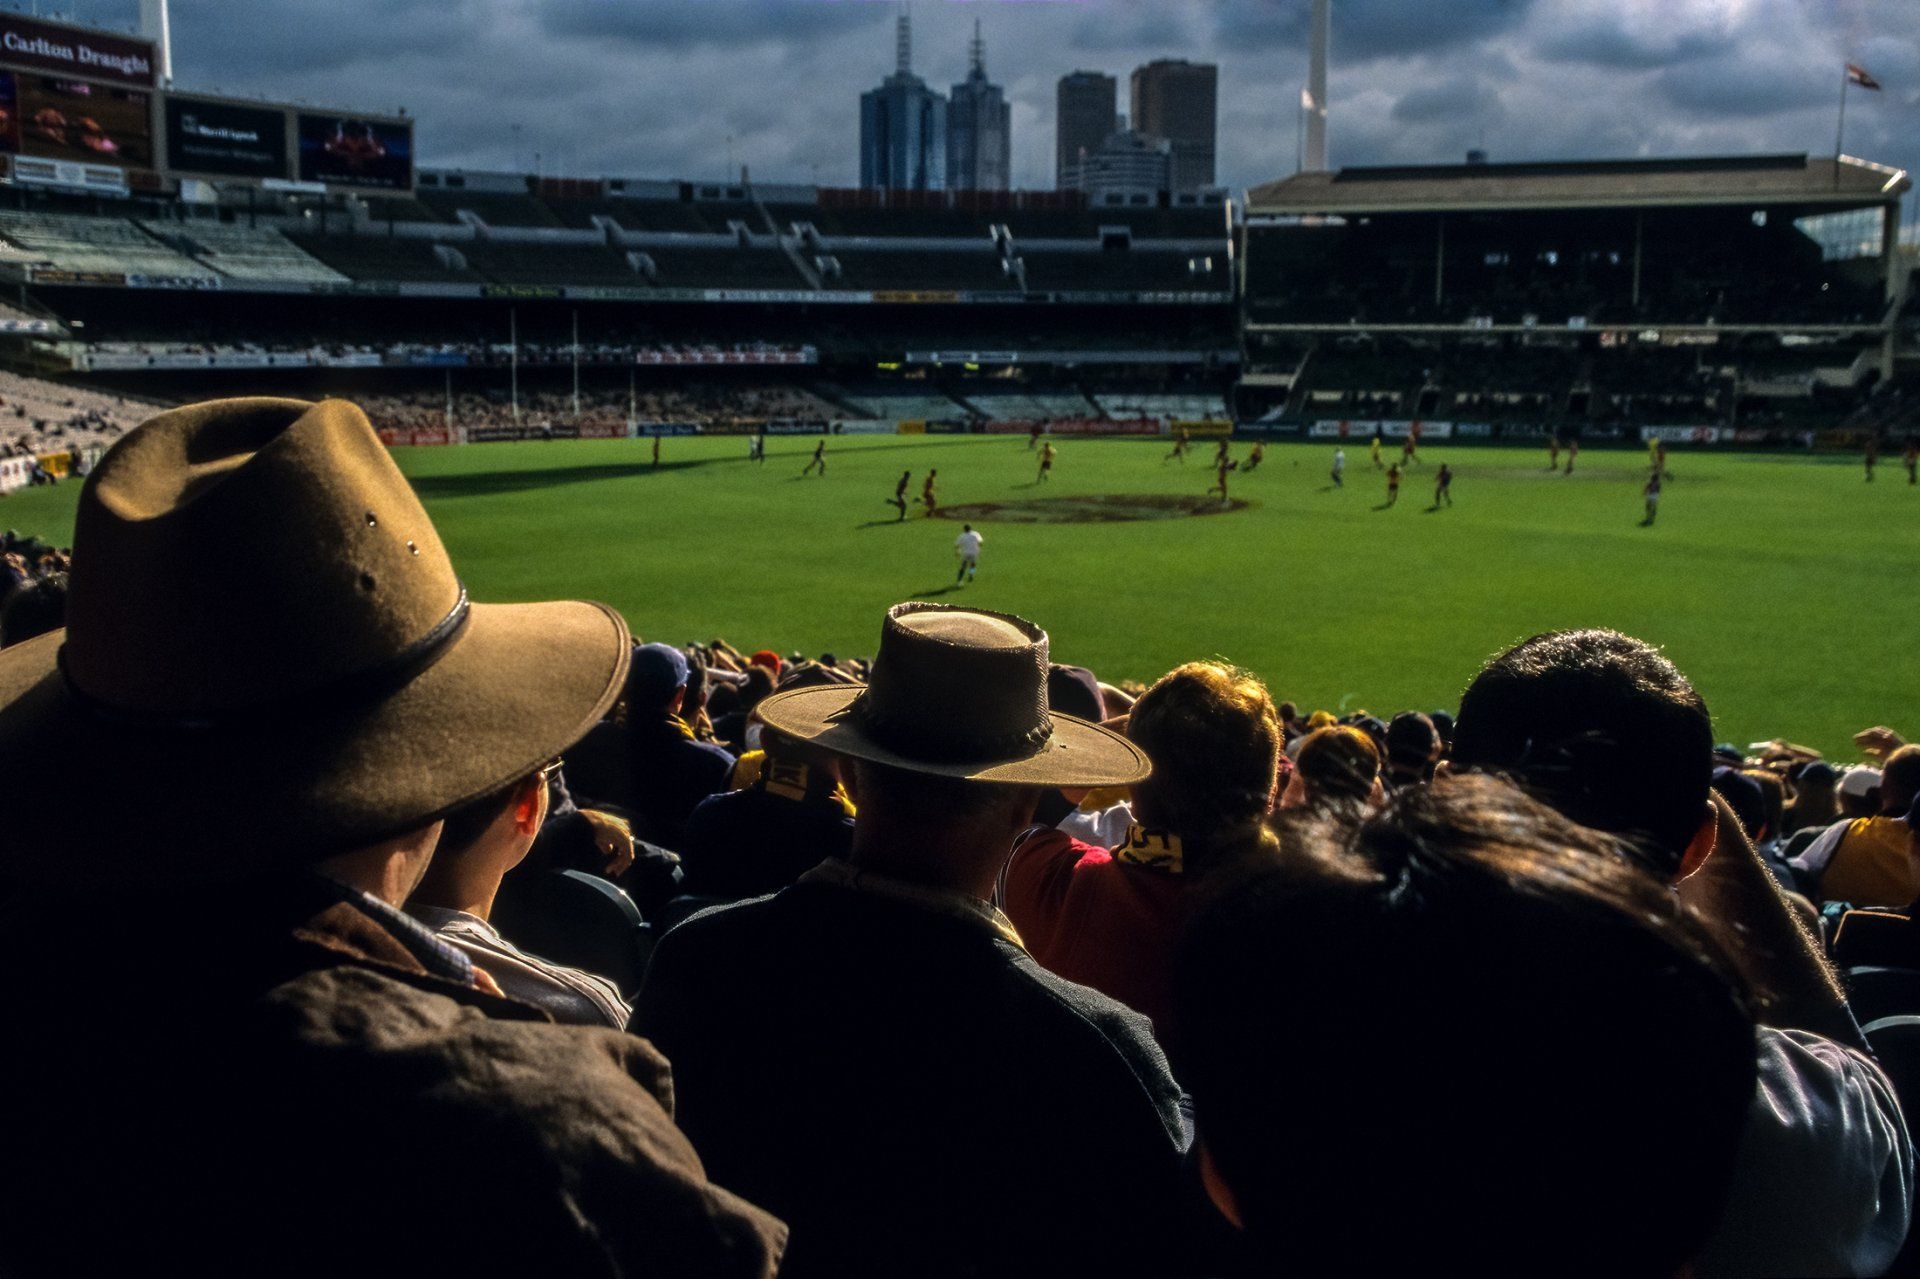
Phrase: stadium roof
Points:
(1809, 183)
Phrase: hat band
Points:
(907, 736)
(361, 688)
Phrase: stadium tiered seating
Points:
(374, 257)
(401, 209)
(910, 408)
(511, 262)
(492, 207)
(731, 268)
(673, 216)
(1130, 269)
(1180, 408)
(111, 245)
(37, 415)
(246, 253)
(882, 270)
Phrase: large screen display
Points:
(351, 151)
(60, 119)
(225, 138)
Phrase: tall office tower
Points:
(1085, 115)
(903, 128)
(979, 129)
(1179, 101)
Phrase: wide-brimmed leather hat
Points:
(959, 693)
(269, 659)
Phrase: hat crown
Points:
(954, 685)
(242, 553)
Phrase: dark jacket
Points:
(271, 1083)
(913, 1093)
(759, 840)
(671, 774)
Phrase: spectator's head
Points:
(1443, 724)
(1073, 690)
(480, 842)
(320, 693)
(1504, 999)
(1214, 740)
(656, 681)
(1288, 713)
(1773, 801)
(754, 688)
(952, 742)
(1816, 799)
(767, 659)
(1413, 748)
(1337, 766)
(1604, 728)
(1900, 781)
(1859, 792)
(1744, 797)
(35, 607)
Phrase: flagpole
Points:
(1840, 133)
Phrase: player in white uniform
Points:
(967, 547)
(1339, 468)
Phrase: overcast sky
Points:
(655, 88)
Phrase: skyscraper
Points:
(1179, 101)
(903, 128)
(979, 129)
(1085, 115)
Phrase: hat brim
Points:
(95, 800)
(1077, 754)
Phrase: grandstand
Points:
(1590, 297)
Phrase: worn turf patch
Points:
(1100, 508)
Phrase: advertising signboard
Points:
(77, 121)
(97, 55)
(226, 139)
(355, 152)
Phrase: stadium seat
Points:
(1877, 993)
(685, 907)
(578, 919)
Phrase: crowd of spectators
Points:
(488, 937)
(692, 402)
(37, 416)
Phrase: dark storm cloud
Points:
(1456, 100)
(674, 24)
(1607, 44)
(1368, 29)
(670, 88)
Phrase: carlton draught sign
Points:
(49, 46)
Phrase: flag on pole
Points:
(1857, 74)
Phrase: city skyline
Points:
(668, 88)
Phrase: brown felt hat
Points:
(268, 659)
(958, 693)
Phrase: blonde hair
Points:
(1214, 737)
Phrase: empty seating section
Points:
(509, 262)
(111, 245)
(926, 270)
(246, 253)
(1143, 270)
(911, 408)
(401, 208)
(492, 207)
(373, 257)
(728, 268)
(1024, 405)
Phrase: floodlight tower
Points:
(1316, 102)
(155, 25)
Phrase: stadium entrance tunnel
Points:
(1104, 508)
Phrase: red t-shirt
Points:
(1099, 922)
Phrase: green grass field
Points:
(1783, 586)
